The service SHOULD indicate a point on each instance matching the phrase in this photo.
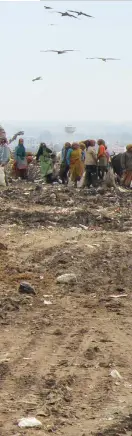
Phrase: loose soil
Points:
(56, 359)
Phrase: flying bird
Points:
(66, 14)
(36, 78)
(105, 59)
(59, 52)
(81, 13)
(47, 7)
(14, 137)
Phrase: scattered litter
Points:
(118, 296)
(71, 242)
(47, 296)
(89, 246)
(115, 374)
(2, 177)
(122, 189)
(83, 227)
(127, 385)
(67, 278)
(26, 288)
(41, 277)
(29, 422)
(48, 302)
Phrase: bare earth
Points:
(56, 359)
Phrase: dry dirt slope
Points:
(56, 360)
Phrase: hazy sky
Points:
(73, 88)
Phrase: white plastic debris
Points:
(115, 374)
(118, 296)
(29, 422)
(71, 242)
(67, 278)
(47, 302)
(2, 177)
(83, 227)
(89, 246)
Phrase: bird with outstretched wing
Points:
(37, 78)
(47, 7)
(105, 59)
(79, 13)
(59, 52)
(66, 14)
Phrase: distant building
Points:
(70, 129)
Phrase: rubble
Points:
(67, 278)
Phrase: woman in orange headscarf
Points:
(102, 158)
(76, 168)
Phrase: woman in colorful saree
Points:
(20, 164)
(44, 155)
(76, 168)
(83, 155)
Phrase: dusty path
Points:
(56, 360)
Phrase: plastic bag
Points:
(29, 422)
(2, 177)
(110, 178)
(67, 278)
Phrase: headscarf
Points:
(101, 142)
(67, 145)
(75, 145)
(89, 143)
(129, 147)
(82, 146)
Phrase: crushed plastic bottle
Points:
(29, 422)
(115, 374)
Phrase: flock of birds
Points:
(70, 13)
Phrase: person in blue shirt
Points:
(65, 164)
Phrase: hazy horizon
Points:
(116, 135)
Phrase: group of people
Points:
(78, 160)
(82, 157)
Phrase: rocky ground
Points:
(60, 346)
